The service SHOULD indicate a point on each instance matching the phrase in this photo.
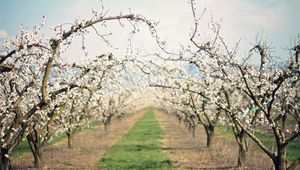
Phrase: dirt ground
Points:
(183, 150)
(187, 152)
(88, 147)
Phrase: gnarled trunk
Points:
(38, 159)
(37, 150)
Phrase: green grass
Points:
(267, 139)
(291, 122)
(21, 149)
(139, 148)
(292, 150)
(224, 130)
(67, 162)
(24, 147)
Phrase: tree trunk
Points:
(106, 124)
(193, 131)
(241, 156)
(5, 162)
(210, 131)
(105, 127)
(37, 150)
(70, 140)
(243, 147)
(38, 160)
(279, 161)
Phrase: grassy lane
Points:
(139, 148)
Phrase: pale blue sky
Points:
(277, 20)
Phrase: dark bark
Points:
(210, 131)
(105, 126)
(242, 141)
(5, 162)
(241, 156)
(37, 150)
(70, 139)
(38, 160)
(280, 161)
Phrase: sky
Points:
(275, 20)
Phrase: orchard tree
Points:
(274, 92)
(26, 73)
(94, 75)
(197, 88)
(267, 92)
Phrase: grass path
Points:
(140, 148)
